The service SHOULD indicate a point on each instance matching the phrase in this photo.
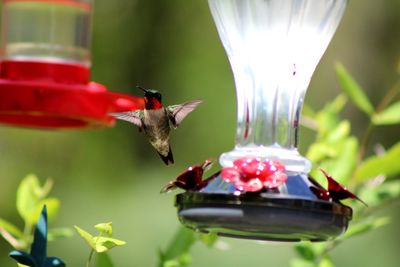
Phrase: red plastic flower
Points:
(335, 192)
(252, 175)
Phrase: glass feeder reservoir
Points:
(45, 67)
(273, 47)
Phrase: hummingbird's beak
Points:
(141, 88)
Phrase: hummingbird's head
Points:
(152, 98)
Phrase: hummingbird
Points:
(157, 121)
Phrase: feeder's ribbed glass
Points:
(51, 30)
(273, 47)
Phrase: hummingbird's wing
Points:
(177, 113)
(134, 117)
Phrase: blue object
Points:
(38, 256)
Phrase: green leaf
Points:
(105, 228)
(59, 233)
(52, 205)
(103, 260)
(305, 251)
(353, 90)
(11, 228)
(326, 262)
(320, 151)
(343, 166)
(337, 105)
(30, 199)
(184, 260)
(180, 245)
(171, 263)
(45, 190)
(364, 226)
(103, 244)
(301, 263)
(310, 251)
(28, 195)
(331, 143)
(390, 115)
(310, 255)
(208, 239)
(86, 236)
(387, 165)
(328, 118)
(338, 134)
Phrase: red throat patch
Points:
(152, 103)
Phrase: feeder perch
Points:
(264, 190)
(45, 68)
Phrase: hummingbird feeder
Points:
(263, 190)
(45, 68)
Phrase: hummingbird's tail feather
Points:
(169, 159)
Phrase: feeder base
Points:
(54, 95)
(263, 217)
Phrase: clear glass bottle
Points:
(57, 31)
(273, 47)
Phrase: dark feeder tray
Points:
(295, 215)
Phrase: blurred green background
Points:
(115, 175)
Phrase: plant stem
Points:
(10, 239)
(90, 258)
(27, 235)
(393, 91)
(361, 153)
(387, 98)
(92, 251)
(364, 143)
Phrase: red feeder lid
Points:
(55, 96)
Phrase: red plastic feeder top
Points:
(44, 68)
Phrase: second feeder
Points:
(264, 190)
